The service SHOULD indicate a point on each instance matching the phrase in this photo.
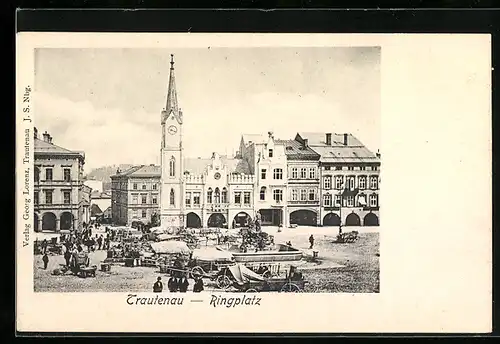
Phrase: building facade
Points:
(315, 179)
(60, 199)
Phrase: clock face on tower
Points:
(172, 129)
(217, 175)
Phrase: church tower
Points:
(172, 190)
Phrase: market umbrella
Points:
(170, 247)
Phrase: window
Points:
(362, 200)
(350, 201)
(295, 195)
(295, 173)
(338, 168)
(196, 198)
(327, 168)
(338, 182)
(337, 200)
(237, 197)
(217, 196)
(246, 198)
(350, 168)
(362, 168)
(144, 186)
(312, 173)
(67, 174)
(303, 195)
(144, 214)
(328, 182)
(349, 183)
(37, 174)
(303, 173)
(143, 199)
(278, 195)
(374, 168)
(263, 174)
(278, 173)
(134, 199)
(362, 182)
(48, 196)
(224, 195)
(373, 200)
(312, 195)
(48, 174)
(209, 195)
(155, 186)
(67, 197)
(327, 200)
(171, 167)
(172, 197)
(188, 199)
(134, 186)
(270, 153)
(263, 193)
(154, 199)
(36, 197)
(373, 182)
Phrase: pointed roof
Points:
(172, 104)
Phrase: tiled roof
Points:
(345, 154)
(95, 210)
(42, 147)
(294, 150)
(319, 139)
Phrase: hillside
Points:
(105, 172)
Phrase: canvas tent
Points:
(170, 247)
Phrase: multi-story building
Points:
(286, 181)
(60, 200)
(135, 194)
(350, 179)
(303, 184)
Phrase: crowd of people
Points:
(178, 284)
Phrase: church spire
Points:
(172, 92)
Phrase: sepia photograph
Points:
(207, 170)
(264, 183)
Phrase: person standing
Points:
(44, 246)
(158, 286)
(99, 242)
(183, 285)
(45, 260)
(198, 286)
(311, 241)
(172, 284)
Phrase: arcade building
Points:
(314, 179)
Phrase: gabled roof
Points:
(319, 139)
(95, 210)
(294, 150)
(43, 147)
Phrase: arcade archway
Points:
(66, 220)
(331, 220)
(303, 218)
(35, 225)
(216, 220)
(49, 222)
(352, 220)
(193, 221)
(370, 220)
(241, 219)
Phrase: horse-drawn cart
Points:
(243, 279)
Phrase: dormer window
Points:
(270, 153)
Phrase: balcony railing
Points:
(303, 202)
(58, 182)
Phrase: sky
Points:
(107, 102)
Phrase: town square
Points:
(294, 213)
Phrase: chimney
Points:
(46, 136)
(50, 139)
(35, 131)
(345, 139)
(306, 142)
(378, 153)
(329, 139)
